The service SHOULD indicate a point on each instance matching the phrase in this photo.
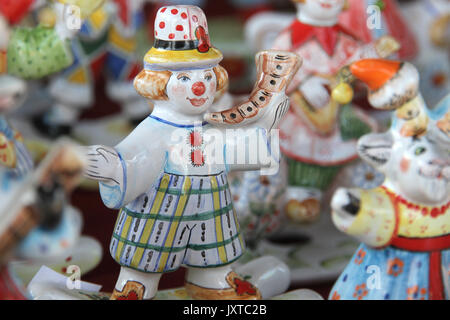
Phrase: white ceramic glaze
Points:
(269, 274)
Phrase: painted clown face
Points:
(322, 10)
(192, 92)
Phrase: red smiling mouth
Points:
(198, 102)
(326, 5)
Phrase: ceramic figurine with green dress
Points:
(106, 44)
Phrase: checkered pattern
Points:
(182, 220)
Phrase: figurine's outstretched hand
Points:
(103, 164)
(268, 101)
(346, 203)
(386, 45)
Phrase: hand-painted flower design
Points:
(203, 40)
(258, 203)
(360, 256)
(335, 296)
(244, 287)
(416, 293)
(360, 291)
(395, 267)
(434, 81)
(130, 296)
(366, 177)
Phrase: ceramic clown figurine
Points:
(169, 176)
(107, 44)
(318, 135)
(404, 224)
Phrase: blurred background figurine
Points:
(404, 224)
(106, 44)
(371, 19)
(34, 53)
(318, 135)
(24, 209)
(430, 22)
(258, 200)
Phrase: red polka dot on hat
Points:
(184, 15)
(179, 28)
(162, 25)
(174, 11)
(163, 10)
(171, 36)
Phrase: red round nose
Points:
(198, 88)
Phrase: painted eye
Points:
(184, 78)
(208, 77)
(419, 151)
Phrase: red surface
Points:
(435, 277)
(14, 10)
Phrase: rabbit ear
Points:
(439, 131)
(443, 125)
(439, 124)
(376, 148)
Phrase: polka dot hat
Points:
(181, 40)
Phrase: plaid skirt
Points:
(181, 220)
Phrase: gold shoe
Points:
(240, 289)
(132, 290)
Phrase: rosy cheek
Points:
(178, 90)
(212, 86)
(404, 165)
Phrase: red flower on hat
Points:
(203, 40)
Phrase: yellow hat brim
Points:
(160, 58)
